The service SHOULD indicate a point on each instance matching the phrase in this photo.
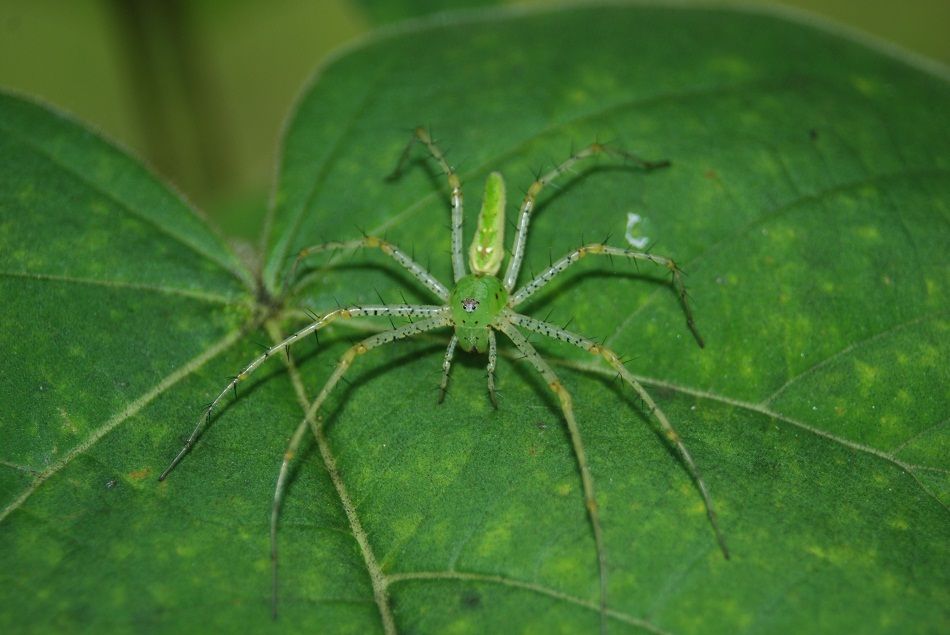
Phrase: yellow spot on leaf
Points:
(579, 96)
(496, 538)
(933, 287)
(563, 489)
(899, 523)
(869, 233)
(904, 397)
(890, 422)
(734, 66)
(185, 550)
(67, 422)
(865, 85)
(138, 475)
(867, 374)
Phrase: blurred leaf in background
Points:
(198, 89)
(383, 11)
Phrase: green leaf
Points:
(807, 200)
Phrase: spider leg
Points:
(371, 242)
(506, 326)
(492, 361)
(527, 205)
(599, 249)
(447, 366)
(360, 348)
(347, 313)
(556, 332)
(422, 135)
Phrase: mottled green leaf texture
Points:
(808, 201)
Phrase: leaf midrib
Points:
(377, 578)
(380, 580)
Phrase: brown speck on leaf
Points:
(138, 475)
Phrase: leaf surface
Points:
(807, 201)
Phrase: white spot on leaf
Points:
(638, 242)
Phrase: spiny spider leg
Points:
(405, 310)
(447, 366)
(422, 135)
(344, 363)
(527, 205)
(506, 326)
(492, 361)
(556, 332)
(371, 242)
(600, 249)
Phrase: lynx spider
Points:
(480, 304)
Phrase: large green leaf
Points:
(807, 200)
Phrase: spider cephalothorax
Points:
(476, 302)
(479, 305)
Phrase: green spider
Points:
(480, 304)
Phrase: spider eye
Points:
(469, 304)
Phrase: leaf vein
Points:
(846, 351)
(754, 407)
(182, 239)
(129, 411)
(461, 576)
(776, 213)
(121, 284)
